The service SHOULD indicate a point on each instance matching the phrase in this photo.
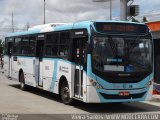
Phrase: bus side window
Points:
(40, 48)
(17, 46)
(52, 44)
(25, 46)
(64, 44)
(32, 45)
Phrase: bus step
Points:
(77, 98)
(40, 87)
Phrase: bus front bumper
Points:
(95, 95)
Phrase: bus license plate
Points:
(124, 93)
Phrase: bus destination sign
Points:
(126, 28)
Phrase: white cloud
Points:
(31, 11)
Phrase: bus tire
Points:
(22, 82)
(65, 94)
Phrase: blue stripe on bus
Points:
(35, 31)
(54, 77)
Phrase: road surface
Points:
(36, 101)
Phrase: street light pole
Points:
(44, 11)
(110, 9)
(124, 9)
(12, 22)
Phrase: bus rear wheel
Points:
(65, 94)
(22, 82)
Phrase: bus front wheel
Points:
(22, 82)
(65, 94)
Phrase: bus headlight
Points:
(95, 84)
(148, 84)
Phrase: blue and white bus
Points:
(90, 61)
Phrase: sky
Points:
(30, 12)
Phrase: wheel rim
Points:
(65, 94)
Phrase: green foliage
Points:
(145, 19)
(134, 20)
(1, 47)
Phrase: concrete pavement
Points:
(34, 101)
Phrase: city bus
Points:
(91, 61)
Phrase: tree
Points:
(134, 20)
(145, 19)
(1, 47)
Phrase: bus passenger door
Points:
(39, 63)
(79, 51)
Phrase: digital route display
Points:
(126, 28)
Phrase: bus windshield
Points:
(122, 54)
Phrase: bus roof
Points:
(78, 25)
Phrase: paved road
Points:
(35, 101)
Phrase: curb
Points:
(156, 98)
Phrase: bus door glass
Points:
(39, 59)
(79, 55)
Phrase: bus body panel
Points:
(27, 65)
(48, 68)
(54, 70)
(15, 70)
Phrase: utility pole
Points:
(110, 9)
(12, 22)
(44, 11)
(123, 9)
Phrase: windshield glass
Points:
(122, 54)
